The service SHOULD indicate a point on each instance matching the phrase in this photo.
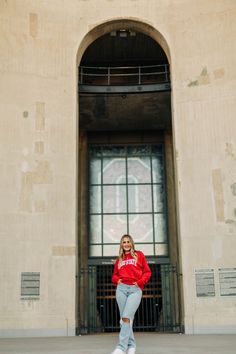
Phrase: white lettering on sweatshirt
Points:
(128, 261)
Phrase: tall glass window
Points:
(127, 195)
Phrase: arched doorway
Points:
(126, 174)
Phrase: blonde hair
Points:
(132, 250)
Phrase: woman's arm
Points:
(115, 276)
(146, 272)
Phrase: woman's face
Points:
(126, 244)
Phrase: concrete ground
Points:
(147, 343)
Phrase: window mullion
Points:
(127, 189)
(102, 214)
(153, 215)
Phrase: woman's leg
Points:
(128, 298)
(121, 298)
(131, 342)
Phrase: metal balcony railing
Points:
(124, 75)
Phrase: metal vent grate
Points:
(30, 285)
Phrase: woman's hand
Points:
(119, 281)
(135, 284)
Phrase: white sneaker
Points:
(131, 350)
(118, 351)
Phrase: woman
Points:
(131, 273)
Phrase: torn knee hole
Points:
(125, 319)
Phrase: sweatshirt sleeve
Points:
(146, 272)
(115, 275)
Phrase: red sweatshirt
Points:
(132, 271)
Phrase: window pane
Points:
(95, 199)
(95, 251)
(139, 150)
(114, 171)
(161, 249)
(157, 149)
(141, 227)
(158, 198)
(139, 170)
(114, 150)
(95, 171)
(111, 250)
(114, 199)
(157, 169)
(140, 198)
(114, 226)
(160, 228)
(146, 249)
(95, 151)
(95, 229)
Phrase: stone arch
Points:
(123, 23)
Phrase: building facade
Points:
(83, 162)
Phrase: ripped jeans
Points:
(128, 298)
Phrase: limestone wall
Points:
(40, 44)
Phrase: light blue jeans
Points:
(128, 298)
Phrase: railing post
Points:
(139, 75)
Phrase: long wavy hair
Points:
(132, 250)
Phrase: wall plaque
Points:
(205, 282)
(227, 279)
